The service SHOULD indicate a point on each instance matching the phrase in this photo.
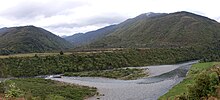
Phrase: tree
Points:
(61, 53)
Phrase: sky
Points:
(67, 17)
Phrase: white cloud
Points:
(66, 17)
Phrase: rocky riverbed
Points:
(162, 78)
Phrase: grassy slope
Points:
(42, 89)
(125, 74)
(182, 86)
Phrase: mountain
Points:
(27, 39)
(63, 36)
(86, 38)
(156, 30)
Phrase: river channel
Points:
(161, 79)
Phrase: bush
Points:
(182, 97)
(205, 85)
(54, 97)
(13, 91)
(214, 81)
(2, 87)
(61, 53)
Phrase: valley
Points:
(148, 57)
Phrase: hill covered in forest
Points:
(26, 39)
(156, 30)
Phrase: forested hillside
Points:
(180, 29)
(26, 39)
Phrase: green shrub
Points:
(54, 97)
(205, 85)
(2, 89)
(182, 97)
(13, 91)
(214, 81)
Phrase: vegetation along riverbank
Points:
(202, 82)
(124, 74)
(77, 62)
(42, 89)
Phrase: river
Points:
(161, 79)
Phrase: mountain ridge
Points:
(177, 29)
(79, 39)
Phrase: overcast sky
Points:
(67, 17)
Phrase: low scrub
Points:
(42, 89)
(125, 74)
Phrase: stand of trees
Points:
(58, 64)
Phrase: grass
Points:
(124, 74)
(182, 87)
(84, 51)
(42, 89)
(32, 55)
(197, 68)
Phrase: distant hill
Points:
(26, 39)
(156, 30)
(86, 38)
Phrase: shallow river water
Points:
(162, 78)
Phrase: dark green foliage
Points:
(214, 81)
(43, 89)
(33, 66)
(182, 97)
(200, 88)
(204, 86)
(211, 52)
(28, 39)
(61, 53)
(2, 88)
